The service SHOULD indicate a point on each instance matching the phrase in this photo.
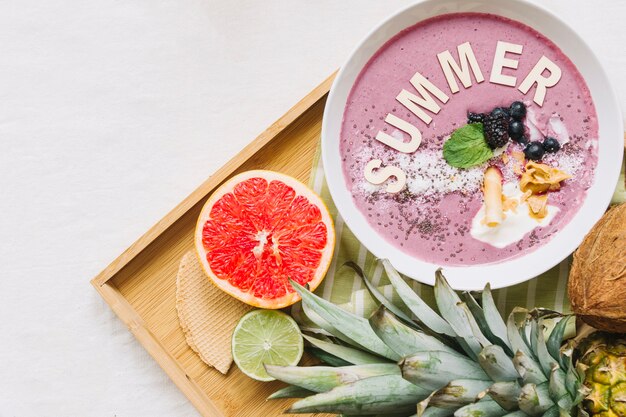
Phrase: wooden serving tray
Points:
(140, 285)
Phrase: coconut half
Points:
(597, 280)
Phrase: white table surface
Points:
(111, 112)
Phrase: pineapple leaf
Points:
(379, 394)
(327, 358)
(401, 338)
(433, 370)
(377, 415)
(553, 411)
(555, 340)
(545, 360)
(422, 406)
(528, 369)
(316, 330)
(291, 391)
(566, 402)
(459, 393)
(325, 378)
(378, 295)
(469, 350)
(535, 399)
(514, 334)
(556, 385)
(324, 325)
(494, 319)
(425, 409)
(435, 412)
(573, 381)
(505, 394)
(458, 315)
(485, 408)
(448, 303)
(479, 314)
(497, 364)
(534, 329)
(352, 326)
(348, 354)
(524, 331)
(417, 306)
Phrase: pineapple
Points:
(464, 360)
(602, 356)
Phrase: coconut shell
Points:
(597, 280)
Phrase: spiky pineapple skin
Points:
(603, 358)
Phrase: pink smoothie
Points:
(431, 217)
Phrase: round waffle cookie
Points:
(207, 315)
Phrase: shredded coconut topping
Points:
(429, 174)
(567, 162)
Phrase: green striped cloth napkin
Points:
(342, 286)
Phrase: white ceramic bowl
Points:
(527, 266)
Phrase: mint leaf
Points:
(467, 147)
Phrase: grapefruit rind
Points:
(301, 190)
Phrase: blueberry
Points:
(523, 140)
(475, 117)
(551, 145)
(534, 151)
(499, 112)
(516, 130)
(517, 110)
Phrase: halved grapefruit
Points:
(260, 229)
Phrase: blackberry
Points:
(496, 129)
(475, 117)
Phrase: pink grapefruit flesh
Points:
(260, 229)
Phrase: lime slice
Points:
(266, 337)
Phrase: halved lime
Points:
(267, 337)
